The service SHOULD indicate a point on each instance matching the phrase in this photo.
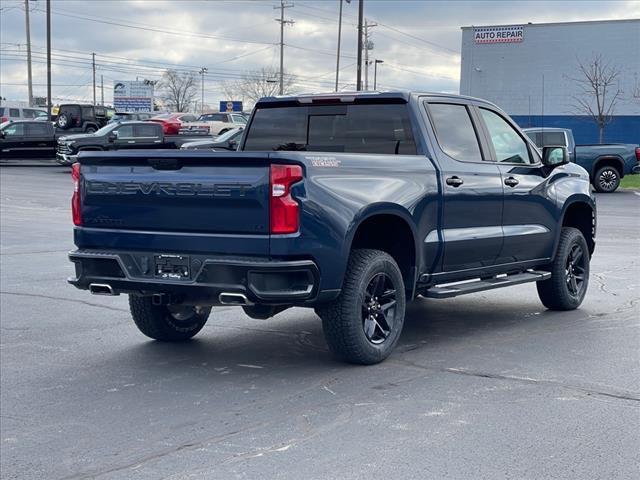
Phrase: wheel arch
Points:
(614, 161)
(389, 228)
(579, 212)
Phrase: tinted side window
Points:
(87, 113)
(14, 112)
(147, 131)
(28, 113)
(239, 119)
(14, 130)
(36, 129)
(553, 138)
(125, 131)
(454, 131)
(509, 146)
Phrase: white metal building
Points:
(529, 70)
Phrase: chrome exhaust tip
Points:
(233, 299)
(101, 289)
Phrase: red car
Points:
(171, 122)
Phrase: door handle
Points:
(512, 182)
(131, 141)
(454, 181)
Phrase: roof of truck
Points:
(370, 94)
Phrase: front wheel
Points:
(569, 280)
(364, 323)
(167, 323)
(607, 180)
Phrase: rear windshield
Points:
(341, 128)
(542, 139)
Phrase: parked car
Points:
(130, 116)
(216, 123)
(227, 141)
(351, 204)
(117, 136)
(607, 164)
(80, 118)
(172, 122)
(27, 138)
(9, 113)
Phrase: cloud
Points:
(417, 40)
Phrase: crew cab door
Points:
(40, 139)
(472, 189)
(125, 137)
(147, 135)
(529, 214)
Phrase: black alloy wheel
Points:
(576, 270)
(379, 308)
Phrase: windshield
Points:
(372, 128)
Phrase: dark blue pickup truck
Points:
(351, 204)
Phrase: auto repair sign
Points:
(508, 34)
(132, 96)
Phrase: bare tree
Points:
(599, 91)
(178, 89)
(257, 84)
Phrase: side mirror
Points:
(233, 144)
(552, 156)
(112, 136)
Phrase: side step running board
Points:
(462, 288)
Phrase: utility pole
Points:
(203, 70)
(102, 90)
(359, 59)
(282, 23)
(93, 63)
(375, 72)
(49, 59)
(368, 45)
(339, 40)
(28, 29)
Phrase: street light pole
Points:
(28, 29)
(203, 70)
(49, 59)
(359, 59)
(339, 41)
(375, 72)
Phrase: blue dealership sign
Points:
(230, 106)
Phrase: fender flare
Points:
(384, 208)
(572, 200)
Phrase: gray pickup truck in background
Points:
(607, 163)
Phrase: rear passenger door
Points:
(40, 141)
(125, 137)
(147, 135)
(472, 187)
(529, 207)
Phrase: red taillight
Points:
(4, 119)
(284, 210)
(76, 205)
(638, 154)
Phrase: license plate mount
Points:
(174, 267)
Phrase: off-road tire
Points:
(342, 320)
(555, 292)
(157, 322)
(606, 179)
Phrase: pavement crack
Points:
(589, 391)
(50, 297)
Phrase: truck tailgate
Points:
(190, 194)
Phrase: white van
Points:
(11, 114)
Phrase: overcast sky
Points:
(419, 41)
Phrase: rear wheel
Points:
(569, 280)
(607, 180)
(364, 323)
(168, 323)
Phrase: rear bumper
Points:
(259, 280)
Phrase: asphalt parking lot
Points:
(486, 386)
